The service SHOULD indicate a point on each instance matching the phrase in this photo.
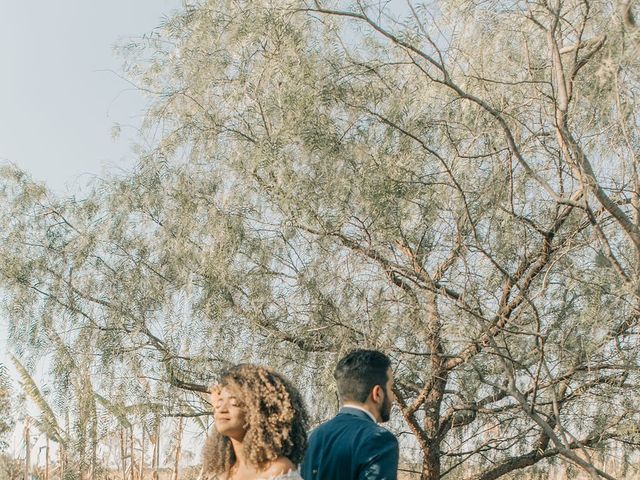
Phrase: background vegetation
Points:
(455, 183)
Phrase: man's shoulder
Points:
(354, 424)
(325, 426)
(382, 435)
(379, 434)
(345, 418)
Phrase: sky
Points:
(61, 92)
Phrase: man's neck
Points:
(365, 408)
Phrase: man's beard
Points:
(385, 408)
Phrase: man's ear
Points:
(377, 394)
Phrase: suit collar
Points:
(358, 412)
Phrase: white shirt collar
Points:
(358, 407)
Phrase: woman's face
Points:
(229, 413)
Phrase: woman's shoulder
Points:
(287, 476)
(282, 469)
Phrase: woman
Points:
(260, 427)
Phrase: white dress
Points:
(286, 476)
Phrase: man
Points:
(352, 446)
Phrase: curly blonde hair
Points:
(276, 419)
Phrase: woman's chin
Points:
(231, 433)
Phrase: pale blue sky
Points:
(58, 96)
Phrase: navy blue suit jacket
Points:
(351, 446)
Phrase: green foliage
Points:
(10, 468)
(7, 419)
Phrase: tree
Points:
(7, 420)
(456, 184)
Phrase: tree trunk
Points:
(65, 455)
(431, 463)
(142, 445)
(133, 458)
(27, 455)
(433, 400)
(46, 460)
(62, 460)
(156, 452)
(123, 454)
(94, 441)
(176, 463)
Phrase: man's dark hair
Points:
(360, 371)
